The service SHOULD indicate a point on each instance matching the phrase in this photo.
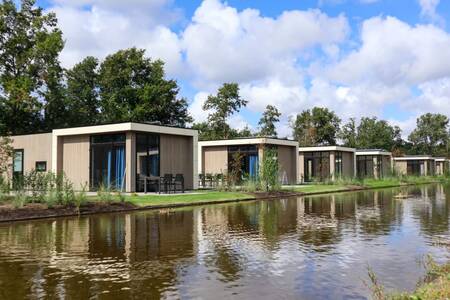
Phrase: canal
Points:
(299, 248)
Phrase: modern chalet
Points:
(122, 156)
(215, 157)
(326, 163)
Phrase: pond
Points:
(298, 248)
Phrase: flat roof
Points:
(372, 152)
(326, 148)
(414, 157)
(441, 159)
(248, 141)
(153, 124)
(127, 126)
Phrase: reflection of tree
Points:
(433, 211)
(378, 212)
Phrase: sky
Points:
(384, 58)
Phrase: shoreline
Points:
(38, 211)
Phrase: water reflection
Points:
(306, 247)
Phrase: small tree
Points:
(269, 170)
(236, 169)
(267, 122)
(6, 153)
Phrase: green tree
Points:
(318, 126)
(269, 170)
(267, 122)
(6, 153)
(377, 134)
(133, 88)
(82, 93)
(223, 105)
(30, 43)
(348, 134)
(431, 135)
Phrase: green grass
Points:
(200, 197)
(435, 285)
(317, 188)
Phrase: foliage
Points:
(30, 44)
(267, 122)
(318, 126)
(269, 170)
(82, 92)
(104, 194)
(80, 197)
(431, 135)
(377, 134)
(133, 88)
(6, 154)
(234, 176)
(348, 134)
(225, 103)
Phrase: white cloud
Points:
(223, 44)
(428, 10)
(108, 26)
(393, 52)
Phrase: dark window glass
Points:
(18, 162)
(41, 166)
(108, 161)
(365, 166)
(317, 165)
(338, 163)
(415, 167)
(147, 160)
(249, 159)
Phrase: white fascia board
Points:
(441, 159)
(414, 158)
(250, 141)
(373, 152)
(129, 126)
(326, 148)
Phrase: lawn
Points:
(317, 188)
(189, 198)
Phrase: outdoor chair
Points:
(209, 180)
(147, 181)
(167, 182)
(178, 182)
(201, 180)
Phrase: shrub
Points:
(104, 194)
(80, 198)
(20, 199)
(269, 170)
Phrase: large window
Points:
(18, 164)
(365, 166)
(147, 159)
(415, 167)
(338, 164)
(317, 165)
(108, 161)
(249, 160)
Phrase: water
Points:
(299, 248)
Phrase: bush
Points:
(269, 171)
(20, 199)
(80, 198)
(104, 194)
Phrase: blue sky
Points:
(383, 58)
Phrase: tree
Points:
(318, 126)
(223, 105)
(133, 88)
(267, 122)
(30, 44)
(431, 135)
(348, 134)
(377, 134)
(6, 153)
(82, 93)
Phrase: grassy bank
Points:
(434, 286)
(190, 198)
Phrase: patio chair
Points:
(209, 180)
(167, 182)
(178, 181)
(201, 180)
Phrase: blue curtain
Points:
(253, 166)
(154, 163)
(120, 167)
(108, 173)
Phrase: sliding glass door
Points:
(108, 161)
(147, 161)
